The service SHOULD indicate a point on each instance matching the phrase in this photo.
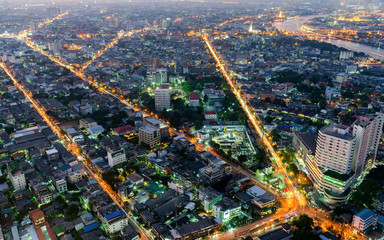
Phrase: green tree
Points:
(303, 222)
(365, 194)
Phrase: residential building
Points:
(75, 177)
(194, 99)
(149, 135)
(278, 234)
(342, 154)
(226, 209)
(154, 122)
(332, 93)
(209, 197)
(115, 155)
(87, 123)
(52, 154)
(61, 185)
(16, 176)
(304, 145)
(368, 132)
(163, 98)
(379, 203)
(136, 179)
(261, 198)
(115, 221)
(129, 233)
(364, 220)
(210, 115)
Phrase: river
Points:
(294, 24)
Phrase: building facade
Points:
(115, 155)
(149, 135)
(163, 98)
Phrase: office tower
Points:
(163, 97)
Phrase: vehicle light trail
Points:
(53, 19)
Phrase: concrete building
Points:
(87, 123)
(149, 135)
(163, 98)
(61, 185)
(261, 198)
(278, 234)
(115, 155)
(368, 132)
(115, 221)
(342, 154)
(16, 176)
(158, 76)
(209, 196)
(52, 154)
(154, 122)
(379, 203)
(194, 99)
(226, 209)
(364, 220)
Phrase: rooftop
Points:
(275, 235)
(227, 203)
(308, 139)
(365, 214)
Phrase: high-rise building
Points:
(163, 98)
(368, 132)
(341, 156)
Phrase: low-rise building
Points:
(364, 220)
(278, 234)
(209, 197)
(379, 203)
(61, 185)
(115, 155)
(87, 123)
(226, 209)
(261, 198)
(16, 176)
(149, 135)
(194, 99)
(115, 221)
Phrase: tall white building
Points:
(335, 148)
(342, 154)
(16, 176)
(163, 97)
(368, 131)
(115, 155)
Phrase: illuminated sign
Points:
(226, 215)
(334, 181)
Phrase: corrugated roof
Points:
(91, 227)
(114, 214)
